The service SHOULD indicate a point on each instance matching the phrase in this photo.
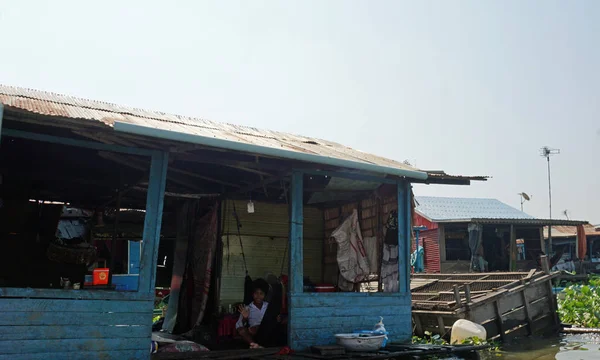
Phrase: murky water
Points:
(565, 347)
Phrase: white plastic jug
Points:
(464, 329)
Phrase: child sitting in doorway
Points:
(251, 316)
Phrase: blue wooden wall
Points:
(88, 324)
(315, 318)
(75, 329)
(318, 317)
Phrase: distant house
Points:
(565, 237)
(500, 237)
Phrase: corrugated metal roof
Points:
(51, 104)
(570, 231)
(441, 209)
(482, 211)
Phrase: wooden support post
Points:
(546, 269)
(513, 248)
(457, 296)
(404, 232)
(545, 265)
(296, 234)
(441, 326)
(418, 325)
(153, 220)
(527, 309)
(468, 293)
(542, 241)
(499, 321)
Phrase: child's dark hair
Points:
(260, 284)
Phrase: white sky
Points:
(470, 87)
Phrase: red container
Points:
(100, 276)
(322, 288)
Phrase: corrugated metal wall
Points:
(264, 238)
(432, 250)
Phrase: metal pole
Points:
(550, 206)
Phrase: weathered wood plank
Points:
(74, 294)
(60, 318)
(510, 301)
(74, 345)
(539, 307)
(361, 322)
(153, 220)
(73, 332)
(384, 311)
(544, 325)
(516, 333)
(343, 300)
(82, 355)
(69, 306)
(514, 318)
(536, 291)
(482, 313)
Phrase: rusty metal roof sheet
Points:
(52, 104)
(570, 231)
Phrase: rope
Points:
(237, 221)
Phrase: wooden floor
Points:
(392, 351)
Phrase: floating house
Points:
(210, 202)
(501, 237)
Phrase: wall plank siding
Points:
(49, 327)
(321, 316)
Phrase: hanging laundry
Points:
(351, 255)
(372, 248)
(391, 235)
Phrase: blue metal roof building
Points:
(447, 209)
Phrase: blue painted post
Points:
(296, 271)
(153, 220)
(1, 117)
(404, 231)
(296, 235)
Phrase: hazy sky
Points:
(470, 87)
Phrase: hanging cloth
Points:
(391, 235)
(351, 255)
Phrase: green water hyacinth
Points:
(579, 305)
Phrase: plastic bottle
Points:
(379, 329)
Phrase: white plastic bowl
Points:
(358, 342)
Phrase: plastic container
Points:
(360, 342)
(374, 333)
(463, 329)
(100, 276)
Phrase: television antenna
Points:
(566, 213)
(524, 197)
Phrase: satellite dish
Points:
(525, 196)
